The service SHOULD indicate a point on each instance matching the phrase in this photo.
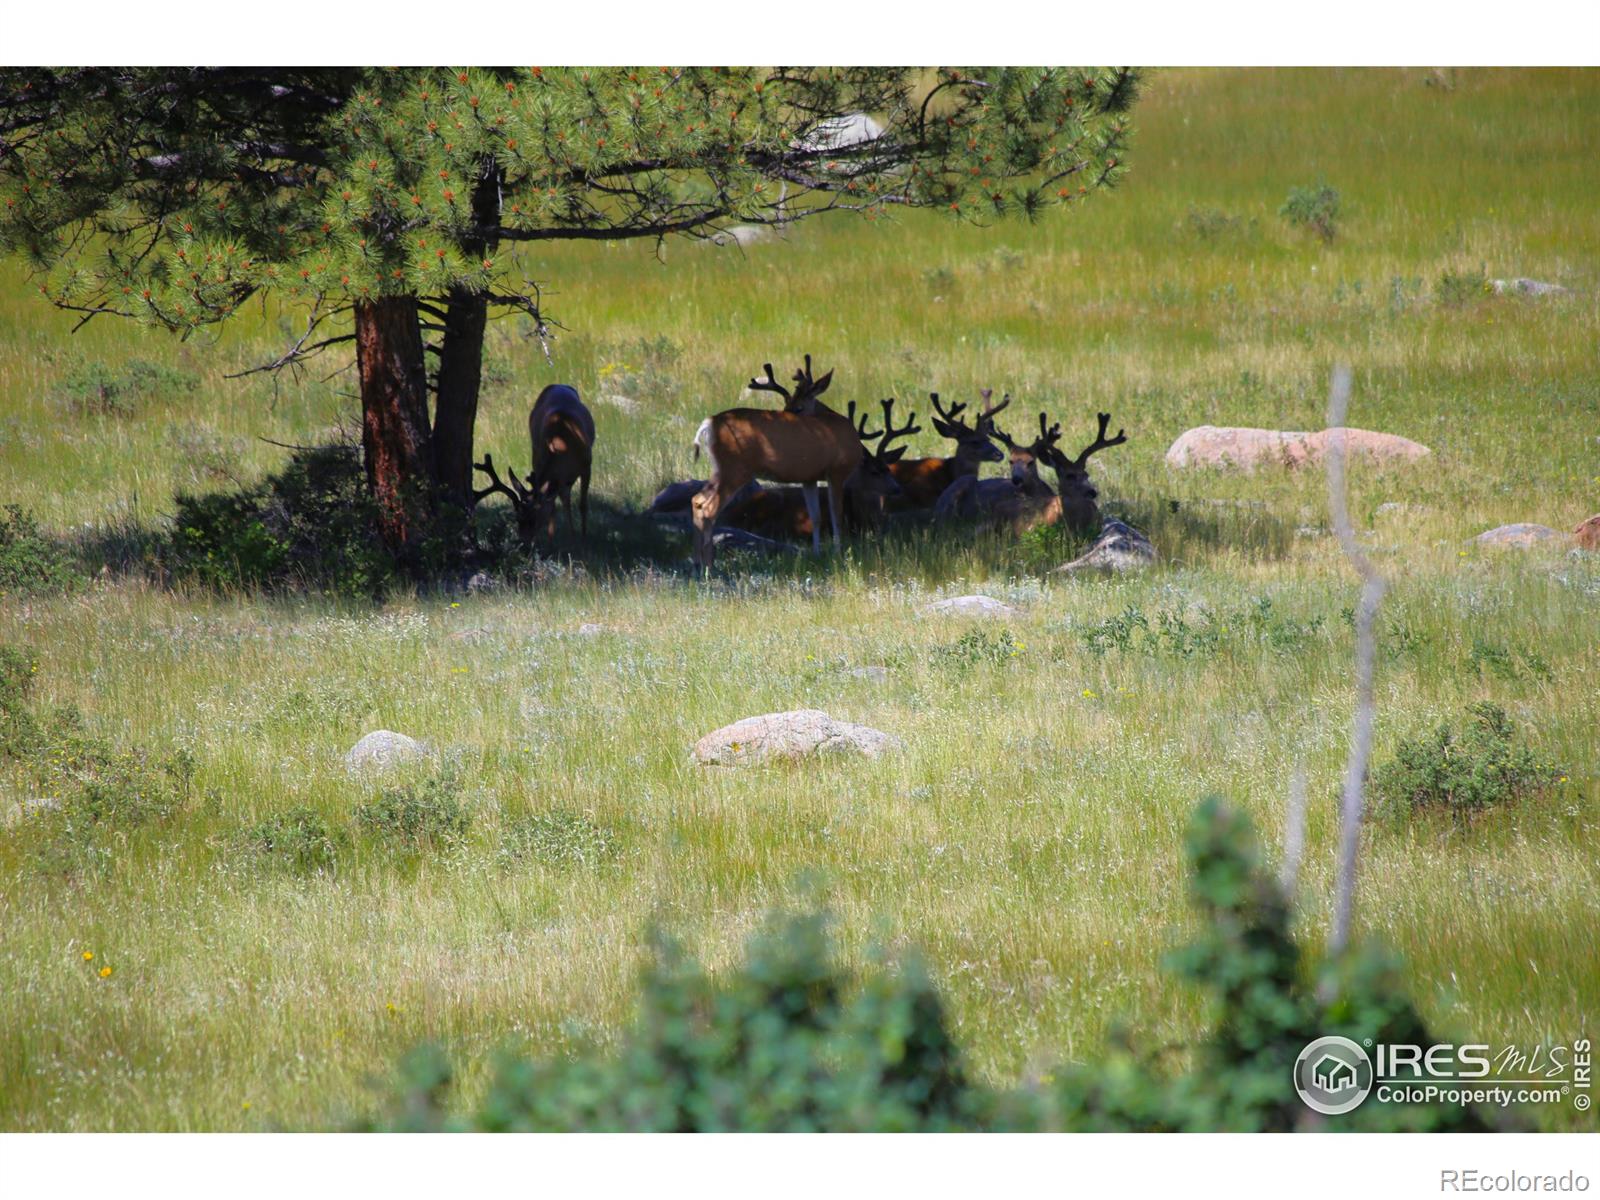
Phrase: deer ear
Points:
(822, 384)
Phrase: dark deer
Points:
(806, 443)
(1031, 501)
(561, 431)
(924, 480)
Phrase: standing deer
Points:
(561, 431)
(924, 480)
(806, 443)
(783, 512)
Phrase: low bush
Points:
(1314, 209)
(95, 389)
(311, 524)
(425, 814)
(300, 839)
(32, 563)
(978, 646)
(1457, 287)
(1465, 770)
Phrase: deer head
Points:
(525, 503)
(975, 444)
(872, 483)
(803, 398)
(1025, 459)
(1079, 497)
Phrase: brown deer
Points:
(924, 480)
(561, 431)
(1031, 501)
(806, 443)
(1079, 497)
(783, 513)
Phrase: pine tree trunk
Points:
(456, 411)
(395, 438)
(461, 355)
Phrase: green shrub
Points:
(1315, 209)
(1213, 224)
(19, 728)
(96, 389)
(1507, 664)
(788, 1040)
(1461, 287)
(1475, 768)
(978, 646)
(300, 839)
(559, 838)
(426, 814)
(30, 562)
(312, 524)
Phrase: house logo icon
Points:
(1333, 1075)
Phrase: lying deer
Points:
(561, 430)
(924, 480)
(1026, 501)
(783, 512)
(806, 443)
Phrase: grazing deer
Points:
(806, 443)
(783, 512)
(561, 430)
(924, 480)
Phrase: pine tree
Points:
(392, 199)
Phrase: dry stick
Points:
(1294, 833)
(1372, 588)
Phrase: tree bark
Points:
(395, 439)
(461, 355)
(456, 406)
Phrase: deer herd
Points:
(814, 452)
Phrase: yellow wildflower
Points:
(88, 956)
(105, 972)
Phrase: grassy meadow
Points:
(1028, 838)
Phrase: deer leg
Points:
(814, 511)
(836, 507)
(706, 504)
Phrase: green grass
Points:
(1029, 836)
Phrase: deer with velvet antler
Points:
(805, 442)
(1025, 500)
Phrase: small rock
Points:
(1399, 508)
(590, 629)
(873, 674)
(1120, 547)
(382, 749)
(1529, 287)
(620, 402)
(482, 582)
(800, 733)
(1588, 533)
(1520, 536)
(1245, 449)
(742, 235)
(970, 606)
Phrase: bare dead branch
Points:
(1373, 585)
